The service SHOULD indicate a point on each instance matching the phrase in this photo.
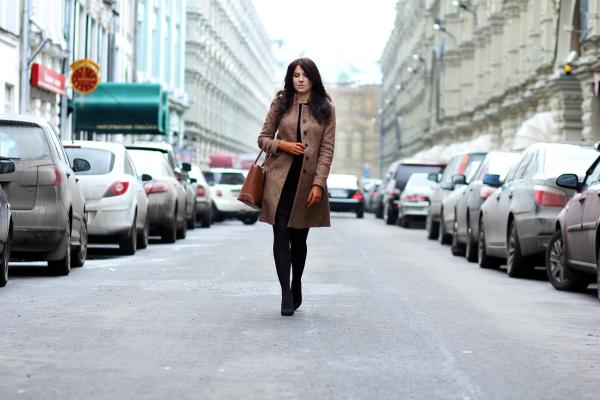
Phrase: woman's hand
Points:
(314, 197)
(293, 148)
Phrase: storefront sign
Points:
(47, 79)
(85, 76)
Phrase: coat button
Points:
(304, 120)
(305, 132)
(305, 145)
(304, 170)
(306, 157)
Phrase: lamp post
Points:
(466, 5)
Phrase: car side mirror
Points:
(81, 165)
(7, 166)
(434, 177)
(146, 178)
(492, 180)
(568, 181)
(186, 166)
(193, 180)
(459, 180)
(447, 185)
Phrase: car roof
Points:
(90, 144)
(156, 146)
(24, 118)
(419, 162)
(222, 170)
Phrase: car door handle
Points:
(582, 199)
(497, 198)
(510, 195)
(68, 174)
(77, 180)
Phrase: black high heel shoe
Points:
(287, 305)
(297, 294)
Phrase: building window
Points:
(8, 98)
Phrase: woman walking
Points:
(295, 191)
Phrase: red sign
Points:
(47, 79)
(85, 76)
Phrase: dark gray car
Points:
(49, 219)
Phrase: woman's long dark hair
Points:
(319, 99)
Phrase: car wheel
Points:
(62, 267)
(182, 231)
(471, 246)
(484, 260)
(379, 211)
(191, 222)
(4, 263)
(433, 228)
(598, 273)
(144, 236)
(391, 216)
(559, 274)
(217, 216)
(404, 222)
(445, 237)
(169, 232)
(80, 255)
(458, 249)
(515, 262)
(250, 220)
(206, 221)
(360, 213)
(128, 244)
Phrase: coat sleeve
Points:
(326, 152)
(266, 137)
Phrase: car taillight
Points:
(395, 194)
(357, 196)
(486, 191)
(200, 191)
(155, 187)
(416, 197)
(548, 198)
(116, 189)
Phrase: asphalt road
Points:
(387, 314)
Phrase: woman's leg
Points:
(298, 257)
(283, 261)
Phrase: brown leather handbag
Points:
(251, 193)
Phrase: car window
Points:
(404, 172)
(594, 176)
(224, 178)
(510, 176)
(568, 159)
(451, 169)
(481, 171)
(129, 168)
(520, 170)
(22, 141)
(152, 163)
(101, 161)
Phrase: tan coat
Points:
(319, 140)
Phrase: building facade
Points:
(229, 76)
(357, 130)
(489, 74)
(10, 27)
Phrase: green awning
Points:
(140, 108)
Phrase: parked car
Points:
(397, 182)
(48, 208)
(517, 221)
(115, 199)
(381, 192)
(181, 173)
(370, 192)
(414, 200)
(451, 200)
(225, 185)
(465, 225)
(166, 195)
(345, 194)
(572, 257)
(6, 167)
(204, 210)
(457, 165)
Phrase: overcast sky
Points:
(341, 36)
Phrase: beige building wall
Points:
(488, 68)
(357, 131)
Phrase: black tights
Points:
(289, 249)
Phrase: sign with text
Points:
(47, 79)
(85, 76)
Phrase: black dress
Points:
(288, 193)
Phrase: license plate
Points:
(338, 193)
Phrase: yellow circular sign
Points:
(85, 76)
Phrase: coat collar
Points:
(296, 102)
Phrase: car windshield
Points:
(224, 178)
(152, 163)
(500, 163)
(22, 141)
(405, 171)
(342, 181)
(568, 159)
(101, 161)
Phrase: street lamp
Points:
(466, 5)
(438, 26)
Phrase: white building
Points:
(486, 74)
(230, 73)
(9, 48)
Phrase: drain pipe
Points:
(24, 62)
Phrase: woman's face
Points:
(302, 84)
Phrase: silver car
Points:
(6, 167)
(48, 208)
(414, 200)
(204, 209)
(517, 222)
(465, 226)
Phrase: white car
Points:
(204, 209)
(225, 185)
(115, 200)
